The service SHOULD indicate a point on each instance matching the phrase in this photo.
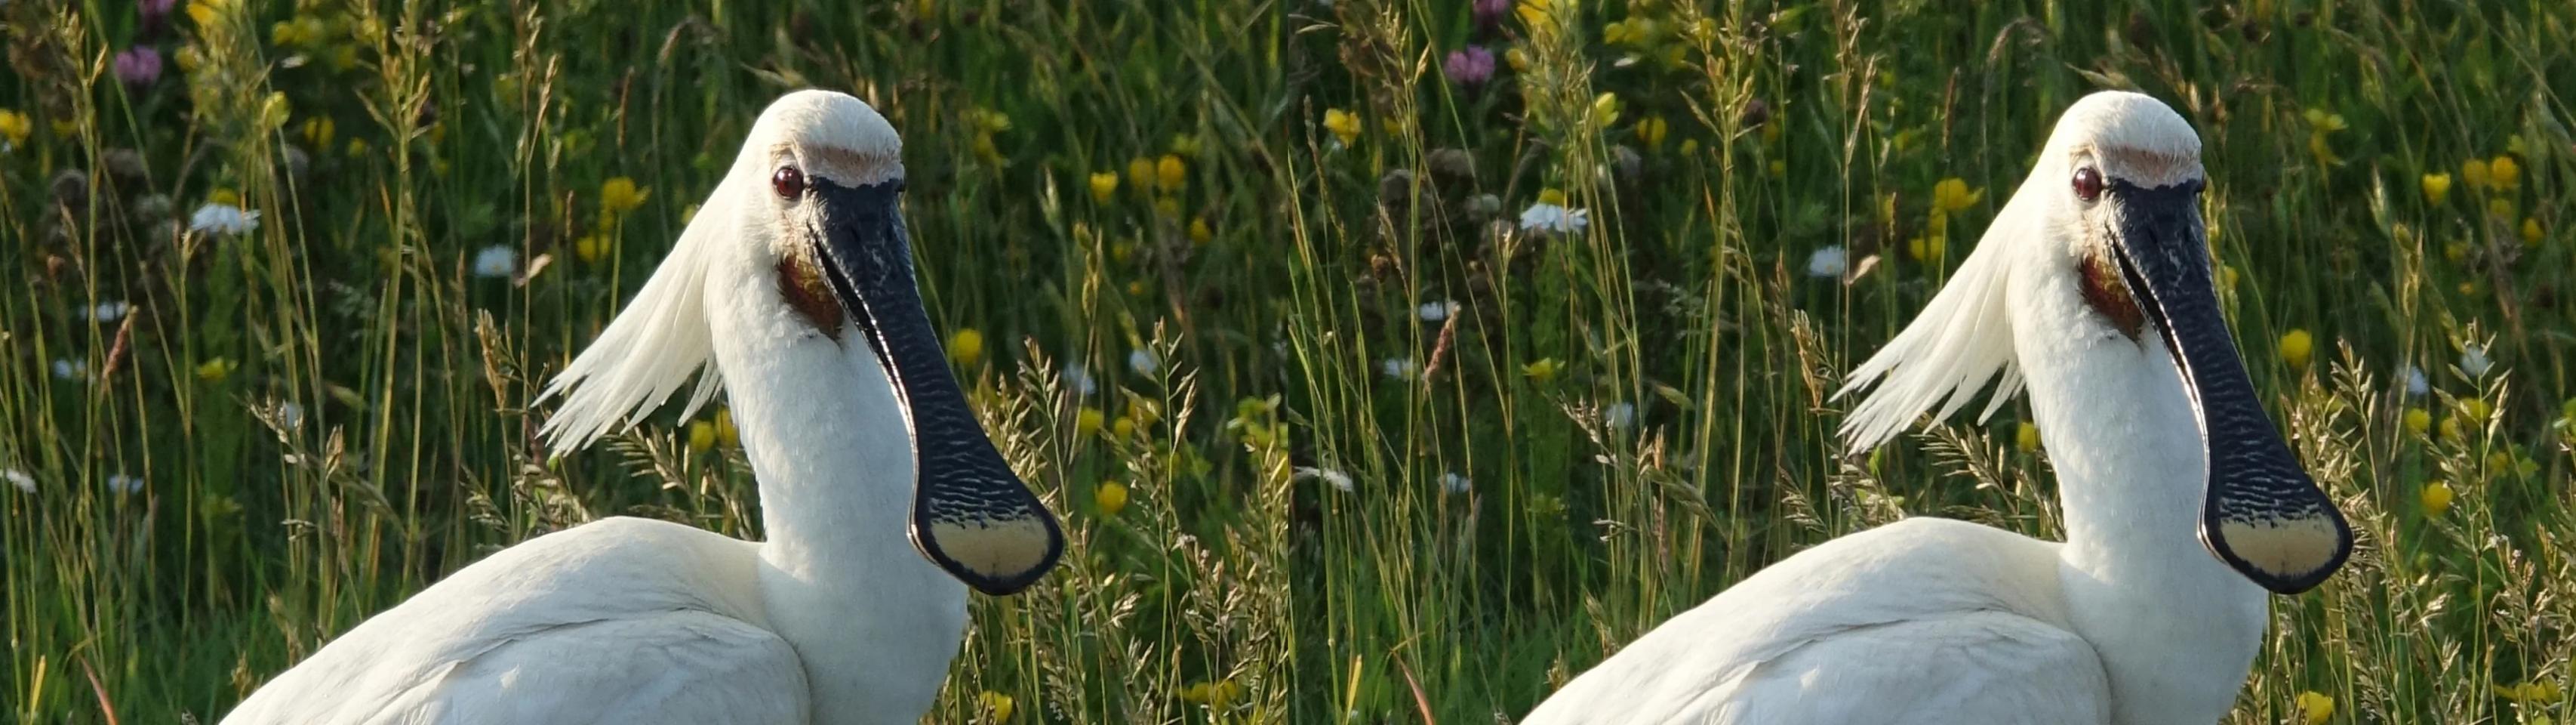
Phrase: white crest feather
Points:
(656, 343)
(1962, 339)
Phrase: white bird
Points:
(879, 492)
(2182, 503)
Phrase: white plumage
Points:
(836, 617)
(1937, 621)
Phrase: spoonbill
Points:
(795, 282)
(2092, 290)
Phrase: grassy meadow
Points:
(1281, 304)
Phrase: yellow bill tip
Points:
(995, 556)
(2285, 555)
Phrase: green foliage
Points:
(1398, 458)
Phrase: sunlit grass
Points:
(1338, 435)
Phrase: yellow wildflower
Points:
(1138, 288)
(1615, 33)
(1343, 124)
(2477, 410)
(203, 11)
(2315, 707)
(725, 432)
(1111, 497)
(2500, 207)
(2474, 171)
(2505, 173)
(1517, 58)
(1926, 249)
(1171, 173)
(1141, 173)
(1123, 428)
(2418, 420)
(318, 132)
(1690, 147)
(216, 370)
(1215, 695)
(702, 435)
(357, 147)
(1185, 145)
(995, 704)
(2027, 437)
(2451, 427)
(2436, 498)
(1605, 110)
(2320, 121)
(989, 121)
(966, 346)
(2437, 188)
(619, 195)
(1650, 132)
(2535, 692)
(1103, 185)
(2295, 347)
(1779, 168)
(1087, 421)
(1953, 195)
(274, 112)
(2531, 231)
(189, 58)
(1200, 232)
(14, 127)
(590, 248)
(1542, 370)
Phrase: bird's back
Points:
(619, 620)
(1925, 620)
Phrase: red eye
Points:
(2088, 183)
(788, 182)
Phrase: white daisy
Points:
(1620, 415)
(1828, 262)
(1078, 379)
(1401, 368)
(2473, 360)
(109, 311)
(1437, 311)
(1335, 478)
(1455, 484)
(1143, 362)
(69, 369)
(121, 484)
(20, 479)
(223, 219)
(2416, 385)
(496, 261)
(1547, 217)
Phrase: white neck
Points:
(874, 622)
(2176, 628)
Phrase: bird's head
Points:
(2111, 212)
(814, 204)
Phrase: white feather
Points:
(648, 350)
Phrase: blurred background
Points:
(1390, 361)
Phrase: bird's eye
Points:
(2088, 183)
(788, 182)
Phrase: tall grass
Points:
(1217, 331)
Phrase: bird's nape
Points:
(971, 514)
(2261, 514)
